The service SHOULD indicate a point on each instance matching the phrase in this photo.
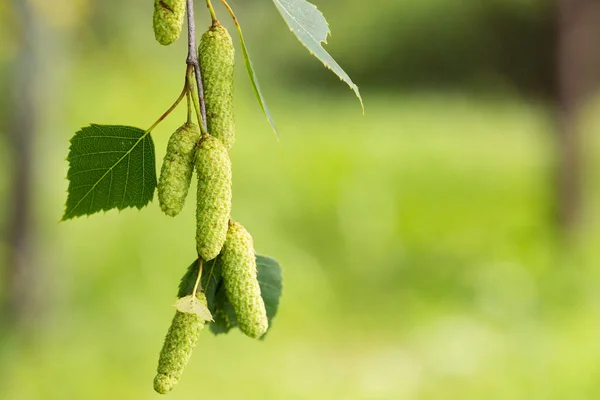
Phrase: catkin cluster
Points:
(216, 235)
(231, 241)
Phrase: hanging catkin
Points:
(214, 197)
(168, 20)
(177, 169)
(239, 277)
(177, 348)
(216, 58)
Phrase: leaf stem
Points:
(237, 24)
(192, 58)
(250, 70)
(190, 83)
(200, 262)
(189, 107)
(212, 11)
(170, 110)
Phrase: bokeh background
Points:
(442, 246)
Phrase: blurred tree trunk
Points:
(20, 269)
(577, 67)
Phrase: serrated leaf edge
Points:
(67, 216)
(344, 77)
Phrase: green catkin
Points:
(177, 169)
(241, 285)
(214, 197)
(168, 20)
(216, 58)
(177, 348)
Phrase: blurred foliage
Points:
(492, 45)
(418, 251)
(419, 263)
(500, 45)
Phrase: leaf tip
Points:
(362, 105)
(67, 215)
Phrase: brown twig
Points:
(192, 58)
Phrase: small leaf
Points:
(253, 78)
(209, 282)
(109, 167)
(191, 305)
(311, 28)
(271, 287)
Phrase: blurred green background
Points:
(421, 251)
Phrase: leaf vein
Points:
(102, 137)
(106, 173)
(98, 152)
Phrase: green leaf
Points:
(209, 282)
(188, 280)
(109, 167)
(192, 305)
(311, 28)
(271, 287)
(224, 315)
(253, 78)
(220, 325)
(269, 279)
(271, 284)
